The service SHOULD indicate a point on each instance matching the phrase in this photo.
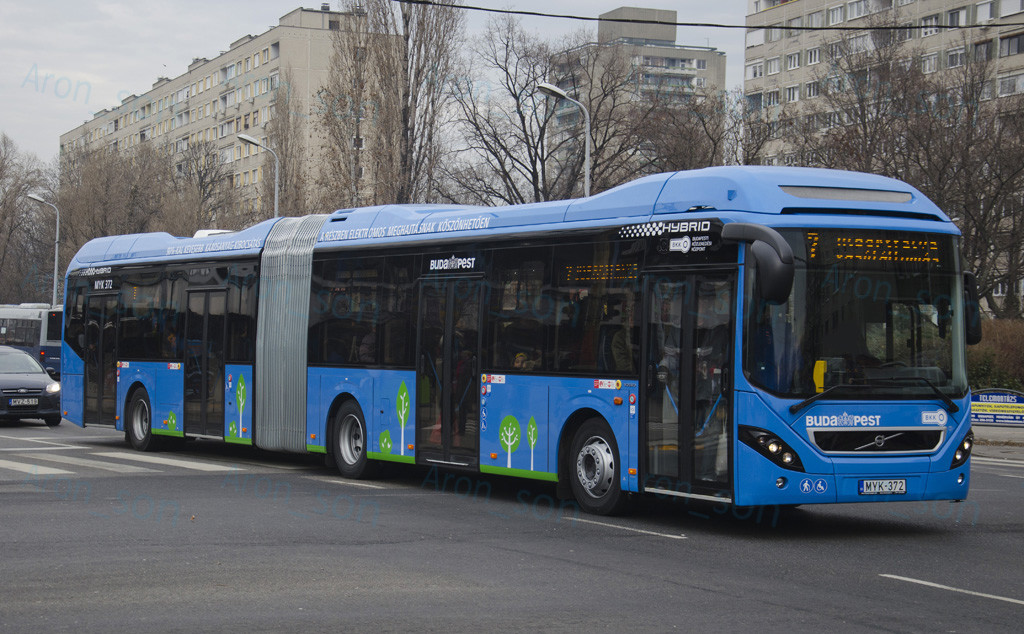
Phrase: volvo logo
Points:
(880, 440)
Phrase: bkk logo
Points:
(844, 420)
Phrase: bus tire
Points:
(139, 422)
(594, 469)
(52, 421)
(349, 442)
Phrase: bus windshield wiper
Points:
(947, 402)
(793, 409)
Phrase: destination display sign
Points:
(856, 246)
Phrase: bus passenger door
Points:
(100, 360)
(689, 359)
(204, 363)
(448, 373)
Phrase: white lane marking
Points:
(41, 441)
(172, 462)
(96, 464)
(363, 485)
(34, 469)
(952, 589)
(628, 528)
(998, 461)
(40, 448)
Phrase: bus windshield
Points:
(878, 312)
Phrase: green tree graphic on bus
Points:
(508, 435)
(172, 421)
(385, 441)
(402, 407)
(240, 396)
(532, 433)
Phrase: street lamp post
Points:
(552, 90)
(56, 244)
(277, 164)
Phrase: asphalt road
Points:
(209, 537)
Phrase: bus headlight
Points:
(963, 451)
(53, 388)
(771, 447)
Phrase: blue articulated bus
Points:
(746, 335)
(34, 328)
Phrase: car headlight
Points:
(53, 388)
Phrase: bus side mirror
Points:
(773, 256)
(972, 309)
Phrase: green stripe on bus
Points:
(390, 457)
(238, 441)
(167, 432)
(316, 449)
(519, 473)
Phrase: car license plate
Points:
(883, 487)
(21, 402)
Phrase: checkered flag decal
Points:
(647, 230)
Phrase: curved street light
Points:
(277, 164)
(552, 90)
(56, 243)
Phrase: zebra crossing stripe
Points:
(32, 468)
(95, 464)
(171, 462)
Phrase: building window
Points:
(856, 9)
(792, 93)
(983, 51)
(816, 19)
(1011, 45)
(774, 33)
(792, 61)
(1011, 85)
(930, 63)
(772, 66)
(929, 25)
(904, 33)
(701, 64)
(357, 142)
(813, 56)
(1009, 7)
(755, 37)
(771, 98)
(835, 15)
(755, 70)
(793, 26)
(956, 57)
(956, 18)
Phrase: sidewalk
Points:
(995, 435)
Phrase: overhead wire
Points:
(704, 25)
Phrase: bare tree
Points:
(203, 186)
(286, 136)
(506, 156)
(400, 54)
(25, 228)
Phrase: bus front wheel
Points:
(594, 469)
(350, 442)
(139, 423)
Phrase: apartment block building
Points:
(662, 64)
(784, 66)
(217, 99)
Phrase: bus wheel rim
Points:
(351, 444)
(140, 419)
(595, 467)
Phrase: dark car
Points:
(28, 390)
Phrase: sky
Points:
(65, 60)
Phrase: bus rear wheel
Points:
(594, 469)
(139, 422)
(349, 442)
